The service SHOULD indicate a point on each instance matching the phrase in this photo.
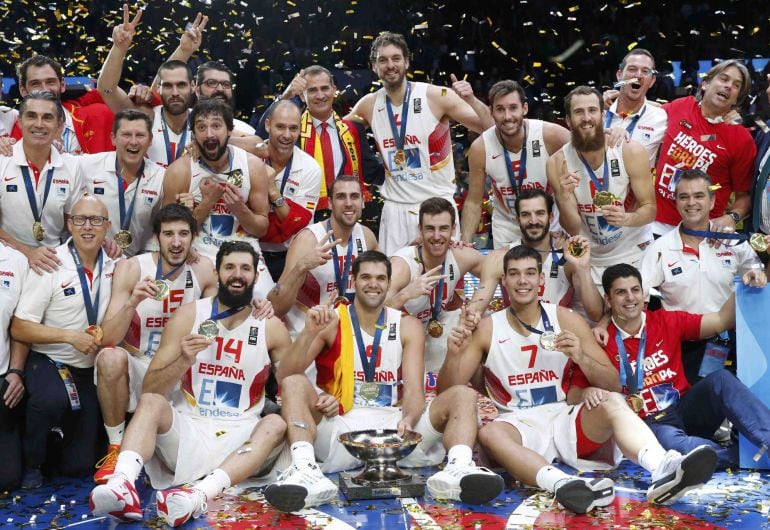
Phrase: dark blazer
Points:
(762, 140)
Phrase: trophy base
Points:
(414, 486)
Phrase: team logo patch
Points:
(69, 291)
(6, 285)
(615, 167)
(359, 246)
(253, 335)
(11, 188)
(148, 201)
(451, 272)
(392, 331)
(676, 270)
(98, 191)
(417, 105)
(536, 148)
(61, 191)
(188, 281)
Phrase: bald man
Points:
(58, 315)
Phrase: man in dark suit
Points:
(759, 220)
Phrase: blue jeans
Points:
(693, 421)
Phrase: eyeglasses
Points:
(95, 220)
(213, 83)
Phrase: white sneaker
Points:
(678, 474)
(179, 505)
(300, 486)
(468, 483)
(118, 499)
(581, 495)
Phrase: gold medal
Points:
(435, 329)
(636, 402)
(235, 177)
(757, 242)
(369, 390)
(576, 249)
(548, 340)
(400, 158)
(163, 289)
(123, 239)
(496, 304)
(37, 231)
(209, 329)
(96, 332)
(604, 198)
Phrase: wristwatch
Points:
(280, 201)
(736, 218)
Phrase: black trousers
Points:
(48, 406)
(10, 442)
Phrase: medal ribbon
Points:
(631, 126)
(556, 262)
(92, 307)
(286, 172)
(517, 184)
(439, 289)
(368, 364)
(170, 157)
(605, 183)
(342, 281)
(224, 314)
(203, 163)
(543, 315)
(31, 191)
(399, 137)
(159, 270)
(740, 238)
(125, 217)
(627, 374)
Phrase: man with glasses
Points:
(59, 316)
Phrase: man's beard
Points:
(527, 238)
(219, 153)
(235, 300)
(592, 143)
(219, 96)
(186, 104)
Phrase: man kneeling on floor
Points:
(529, 354)
(220, 356)
(369, 359)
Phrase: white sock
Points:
(460, 455)
(549, 476)
(115, 434)
(302, 453)
(651, 456)
(214, 483)
(130, 464)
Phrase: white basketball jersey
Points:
(227, 381)
(221, 225)
(321, 281)
(518, 372)
(422, 306)
(157, 151)
(143, 336)
(429, 169)
(387, 372)
(609, 244)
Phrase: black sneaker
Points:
(678, 474)
(581, 495)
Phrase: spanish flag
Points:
(335, 364)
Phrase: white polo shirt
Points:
(102, 182)
(303, 186)
(13, 269)
(695, 283)
(67, 187)
(55, 299)
(649, 129)
(242, 126)
(7, 119)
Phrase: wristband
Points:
(16, 371)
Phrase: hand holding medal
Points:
(569, 344)
(577, 251)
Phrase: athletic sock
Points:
(129, 464)
(460, 455)
(214, 483)
(115, 434)
(549, 476)
(651, 456)
(302, 453)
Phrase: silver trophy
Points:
(380, 450)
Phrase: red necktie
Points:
(328, 154)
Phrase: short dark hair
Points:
(620, 270)
(174, 212)
(520, 252)
(231, 247)
(371, 256)
(388, 38)
(211, 107)
(344, 178)
(533, 193)
(212, 65)
(694, 174)
(435, 206)
(38, 61)
(43, 95)
(582, 90)
(636, 51)
(317, 69)
(173, 64)
(505, 87)
(131, 115)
